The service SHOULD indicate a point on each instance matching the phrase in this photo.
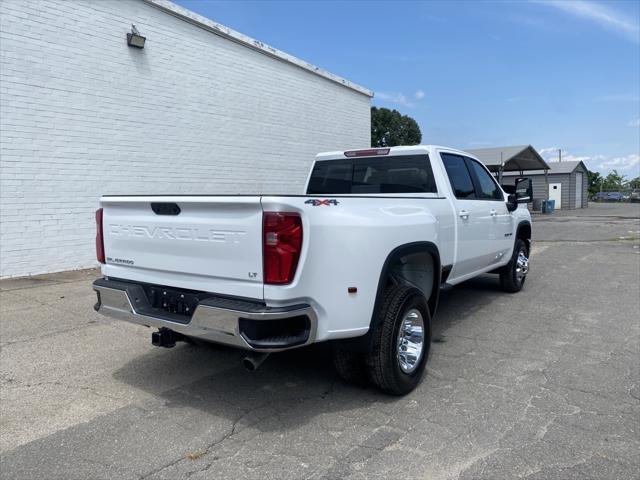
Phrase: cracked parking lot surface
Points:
(541, 384)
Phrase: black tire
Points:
(350, 366)
(509, 279)
(382, 362)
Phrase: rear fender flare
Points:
(364, 343)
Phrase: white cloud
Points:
(634, 123)
(550, 154)
(400, 98)
(628, 165)
(397, 98)
(545, 151)
(603, 15)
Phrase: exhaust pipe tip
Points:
(248, 365)
(253, 361)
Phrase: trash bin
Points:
(548, 206)
(537, 204)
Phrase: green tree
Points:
(390, 128)
(594, 182)
(613, 181)
(634, 183)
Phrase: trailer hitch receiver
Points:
(166, 337)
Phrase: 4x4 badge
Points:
(316, 202)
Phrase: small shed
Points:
(568, 183)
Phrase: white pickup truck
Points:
(359, 260)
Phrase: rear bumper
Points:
(238, 323)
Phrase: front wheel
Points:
(401, 341)
(514, 273)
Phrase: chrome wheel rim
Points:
(522, 265)
(410, 341)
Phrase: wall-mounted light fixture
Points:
(134, 39)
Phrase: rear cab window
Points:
(373, 175)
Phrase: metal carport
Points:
(517, 158)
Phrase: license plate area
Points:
(158, 301)
(169, 300)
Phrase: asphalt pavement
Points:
(542, 384)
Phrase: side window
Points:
(489, 189)
(458, 176)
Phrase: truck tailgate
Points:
(195, 242)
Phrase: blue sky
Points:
(555, 74)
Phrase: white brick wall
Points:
(82, 114)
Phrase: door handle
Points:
(493, 212)
(464, 214)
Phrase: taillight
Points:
(281, 245)
(99, 237)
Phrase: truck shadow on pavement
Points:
(290, 388)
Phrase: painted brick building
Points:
(200, 109)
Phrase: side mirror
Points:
(524, 190)
(512, 202)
